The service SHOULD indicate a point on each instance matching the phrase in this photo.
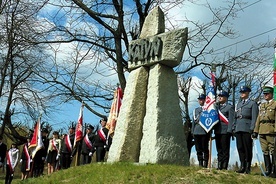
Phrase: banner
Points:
(209, 116)
(78, 131)
(274, 73)
(114, 111)
(36, 142)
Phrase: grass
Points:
(151, 173)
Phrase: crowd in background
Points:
(57, 152)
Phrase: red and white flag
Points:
(78, 132)
(114, 111)
(36, 142)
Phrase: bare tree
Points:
(20, 59)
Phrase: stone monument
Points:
(149, 127)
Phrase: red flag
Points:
(78, 132)
(36, 142)
(114, 111)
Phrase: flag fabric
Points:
(36, 142)
(274, 73)
(114, 111)
(78, 131)
(209, 116)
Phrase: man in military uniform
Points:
(265, 128)
(200, 135)
(223, 130)
(245, 117)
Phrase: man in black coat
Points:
(3, 150)
(41, 154)
(102, 141)
(67, 147)
(87, 147)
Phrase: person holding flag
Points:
(205, 118)
(246, 113)
(66, 148)
(12, 160)
(87, 147)
(223, 130)
(101, 141)
(35, 146)
(200, 135)
(78, 137)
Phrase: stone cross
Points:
(149, 127)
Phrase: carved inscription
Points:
(144, 50)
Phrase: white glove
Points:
(20, 160)
(57, 157)
(90, 154)
(31, 160)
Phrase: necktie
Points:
(243, 101)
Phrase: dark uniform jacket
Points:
(245, 116)
(228, 111)
(45, 141)
(3, 151)
(196, 128)
(98, 141)
(84, 148)
(265, 123)
(63, 145)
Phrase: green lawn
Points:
(152, 173)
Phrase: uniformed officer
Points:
(200, 135)
(223, 130)
(245, 117)
(265, 127)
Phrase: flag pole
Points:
(213, 79)
(77, 159)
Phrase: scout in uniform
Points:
(265, 128)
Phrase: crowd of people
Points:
(246, 121)
(57, 152)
